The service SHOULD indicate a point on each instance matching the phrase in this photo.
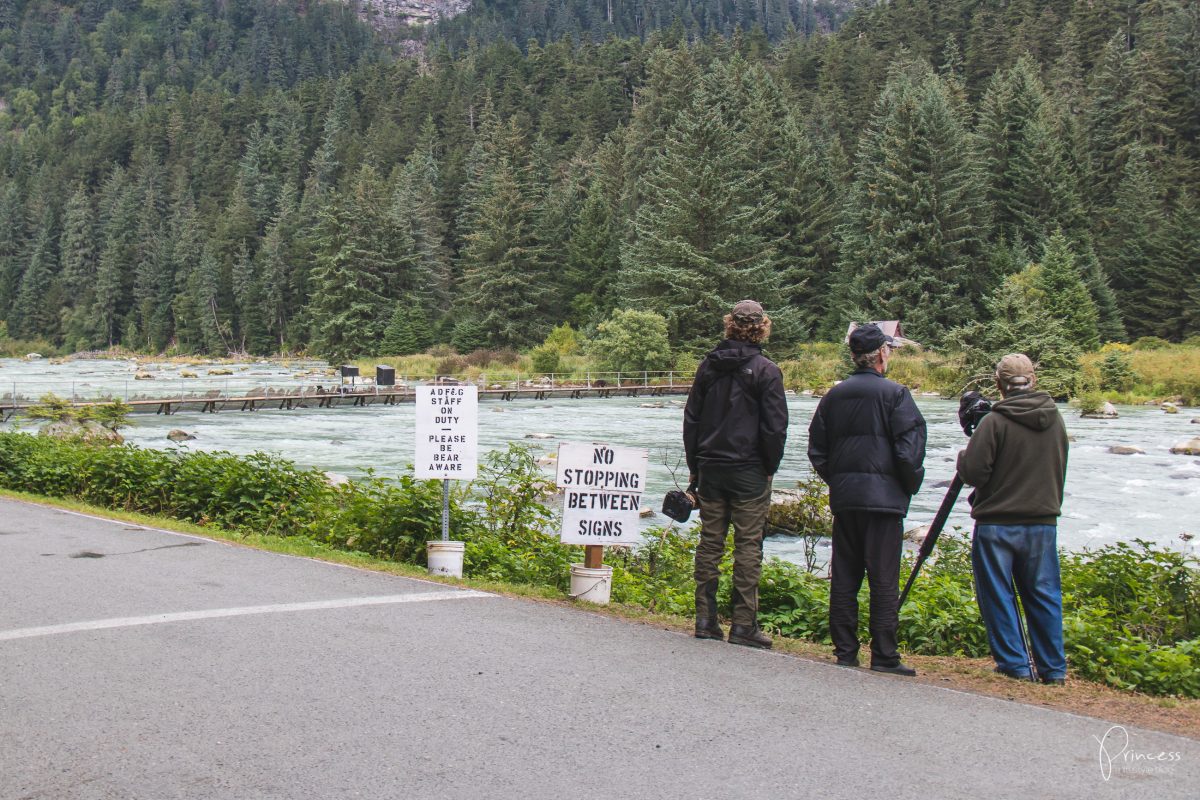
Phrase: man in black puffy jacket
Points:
(734, 427)
(867, 441)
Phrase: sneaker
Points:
(847, 662)
(1056, 681)
(898, 669)
(749, 636)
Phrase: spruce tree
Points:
(347, 306)
(911, 247)
(1130, 238)
(501, 257)
(34, 315)
(699, 243)
(114, 272)
(1065, 297)
(1173, 278)
(78, 247)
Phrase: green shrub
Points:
(632, 341)
(545, 359)
(1091, 403)
(563, 340)
(1150, 343)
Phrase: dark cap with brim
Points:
(868, 338)
(747, 311)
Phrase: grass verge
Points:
(1170, 715)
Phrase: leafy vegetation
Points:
(1131, 609)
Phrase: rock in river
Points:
(1108, 412)
(177, 435)
(1126, 450)
(1170, 408)
(88, 431)
(539, 436)
(1188, 448)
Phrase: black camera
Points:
(679, 505)
(972, 408)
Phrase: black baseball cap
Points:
(868, 338)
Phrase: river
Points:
(1109, 497)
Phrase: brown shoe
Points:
(749, 636)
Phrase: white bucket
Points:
(445, 558)
(591, 584)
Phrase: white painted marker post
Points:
(602, 495)
(447, 448)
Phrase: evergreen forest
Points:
(246, 176)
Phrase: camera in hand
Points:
(972, 408)
(679, 505)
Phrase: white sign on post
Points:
(447, 432)
(602, 488)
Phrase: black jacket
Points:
(736, 413)
(867, 441)
(1017, 460)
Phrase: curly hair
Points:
(752, 332)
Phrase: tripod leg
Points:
(1033, 673)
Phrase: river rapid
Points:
(1109, 497)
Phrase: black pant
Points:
(870, 542)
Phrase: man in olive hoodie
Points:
(1017, 462)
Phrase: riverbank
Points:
(1129, 608)
(1170, 715)
(1149, 371)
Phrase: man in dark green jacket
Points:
(1017, 460)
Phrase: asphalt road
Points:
(142, 664)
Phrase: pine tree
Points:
(347, 306)
(35, 313)
(12, 224)
(419, 224)
(501, 257)
(78, 247)
(211, 316)
(1029, 189)
(911, 248)
(592, 257)
(1018, 322)
(113, 296)
(1129, 242)
(274, 267)
(1173, 278)
(406, 332)
(1065, 297)
(699, 244)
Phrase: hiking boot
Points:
(847, 662)
(708, 628)
(1055, 681)
(1014, 674)
(749, 636)
(898, 669)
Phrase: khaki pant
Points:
(740, 496)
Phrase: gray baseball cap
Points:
(747, 311)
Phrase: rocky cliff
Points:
(390, 14)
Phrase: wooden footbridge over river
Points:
(192, 395)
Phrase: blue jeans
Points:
(1027, 554)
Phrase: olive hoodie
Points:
(1017, 462)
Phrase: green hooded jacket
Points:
(1017, 462)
